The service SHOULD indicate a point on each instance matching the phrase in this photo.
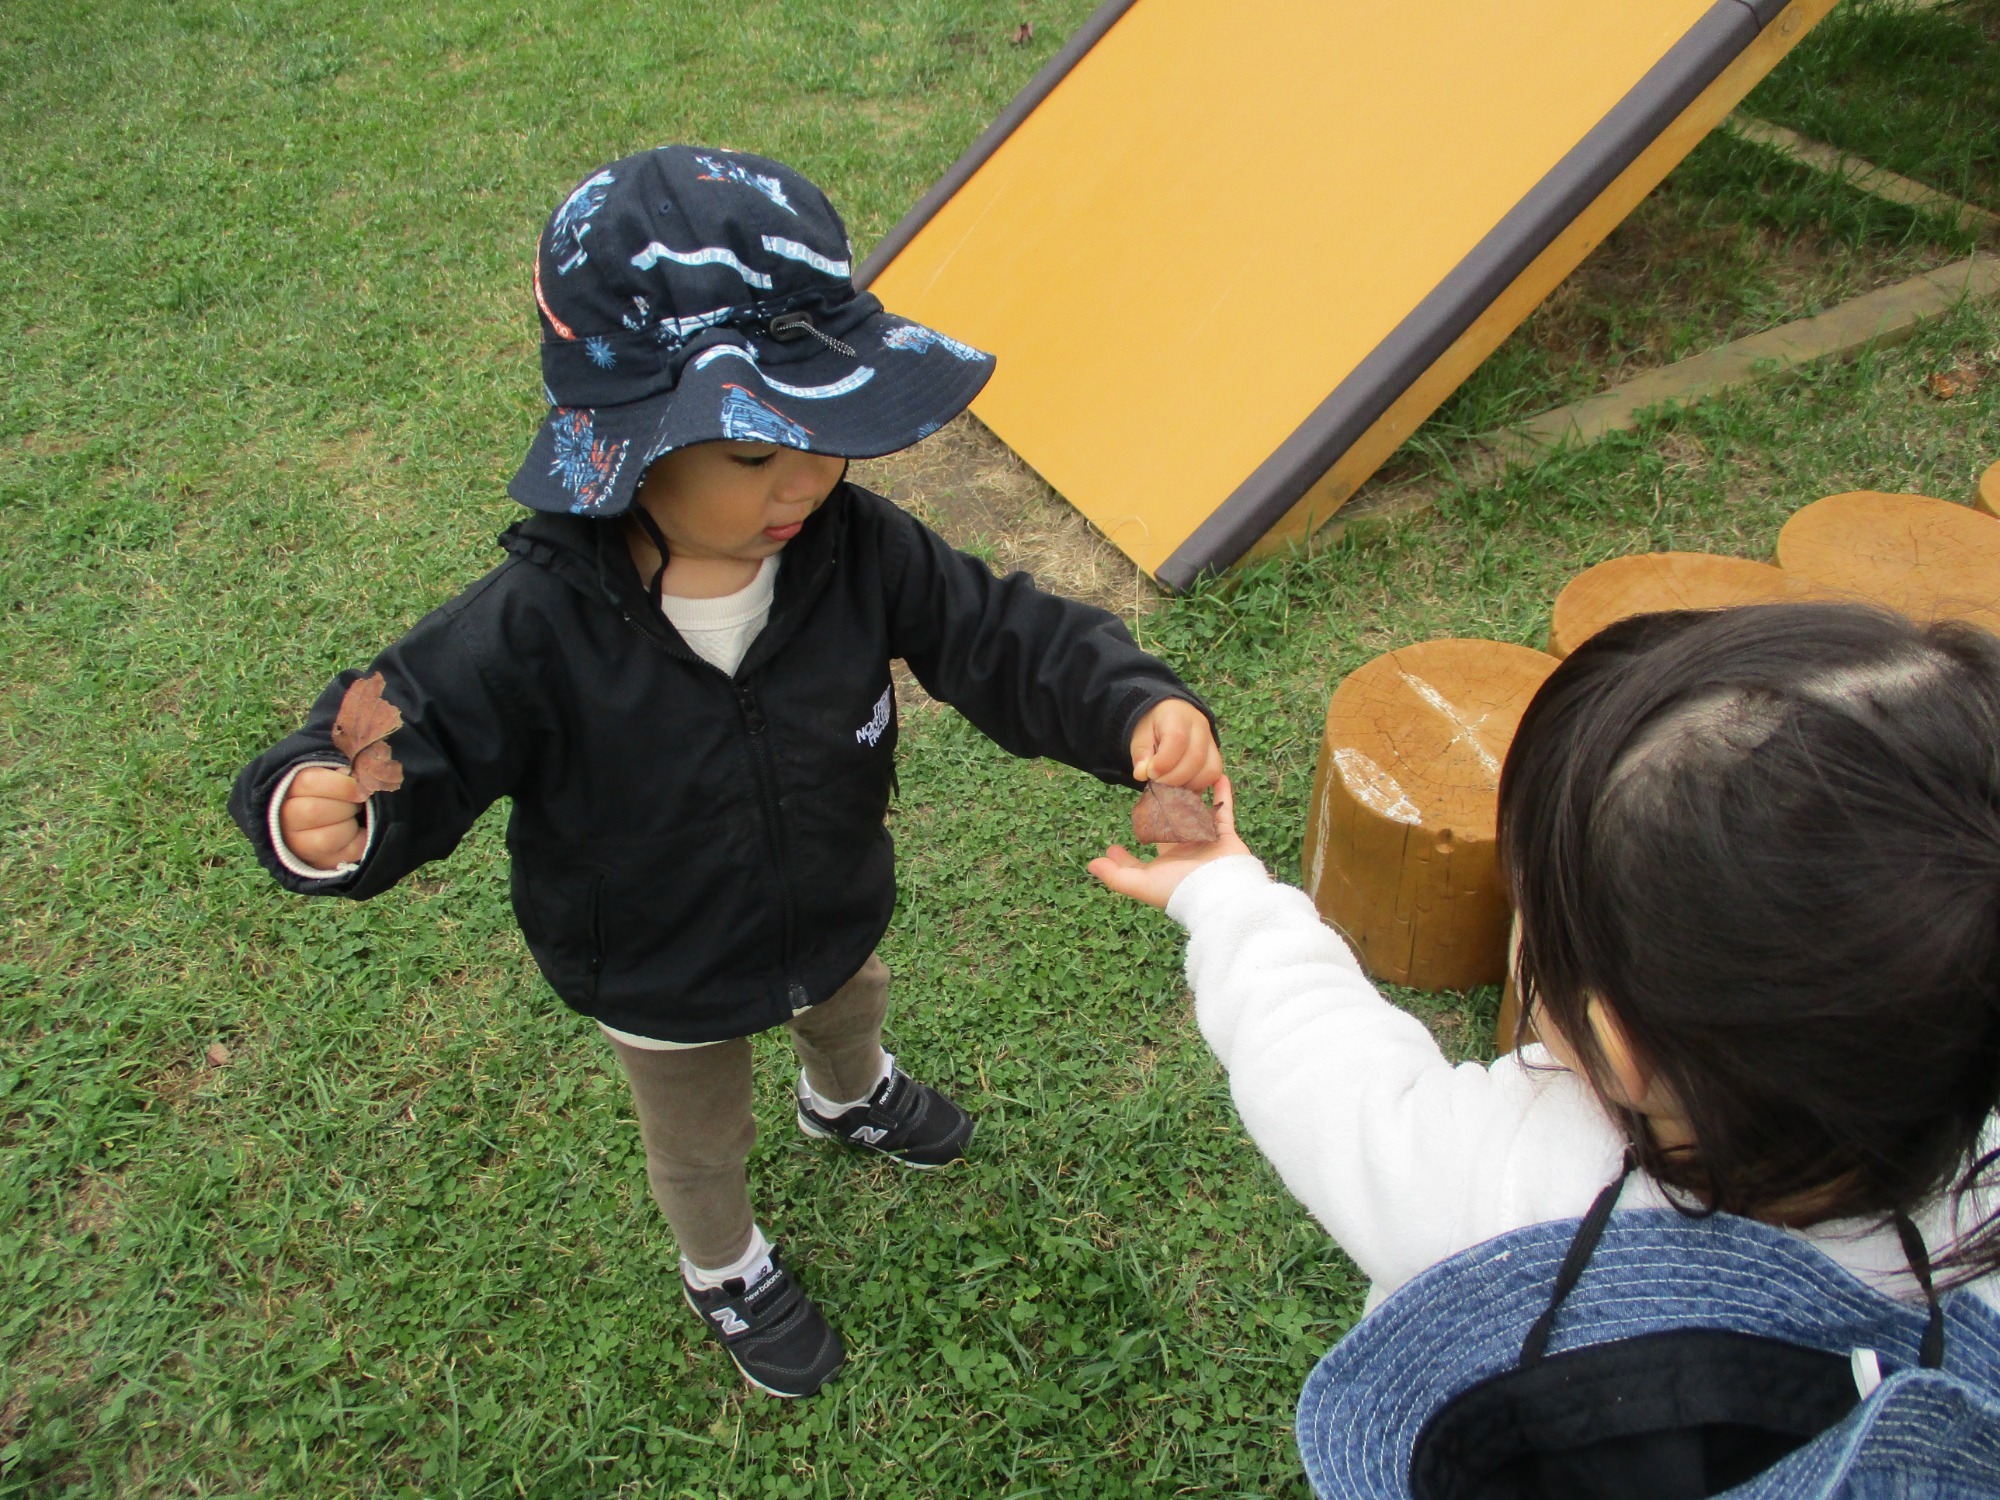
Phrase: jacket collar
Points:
(591, 557)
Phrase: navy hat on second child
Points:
(689, 294)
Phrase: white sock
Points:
(825, 1106)
(750, 1265)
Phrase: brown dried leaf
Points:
(365, 716)
(376, 769)
(217, 1055)
(1945, 384)
(1025, 32)
(360, 732)
(1172, 815)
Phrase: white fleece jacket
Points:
(1405, 1158)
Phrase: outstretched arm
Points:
(463, 743)
(1405, 1158)
(1037, 673)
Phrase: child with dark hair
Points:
(1756, 859)
(680, 677)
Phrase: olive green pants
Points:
(694, 1110)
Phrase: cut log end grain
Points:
(1649, 581)
(1988, 497)
(1399, 852)
(1928, 558)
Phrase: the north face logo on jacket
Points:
(871, 732)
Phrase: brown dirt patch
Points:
(49, 444)
(363, 468)
(968, 485)
(95, 1204)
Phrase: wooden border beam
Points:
(1866, 177)
(1874, 320)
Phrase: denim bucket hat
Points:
(689, 294)
(1648, 1353)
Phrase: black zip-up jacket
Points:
(697, 856)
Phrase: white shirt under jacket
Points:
(1406, 1158)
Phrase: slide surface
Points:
(1230, 255)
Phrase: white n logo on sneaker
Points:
(731, 1324)
(871, 1134)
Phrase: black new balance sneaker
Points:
(779, 1340)
(906, 1121)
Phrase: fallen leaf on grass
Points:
(1172, 815)
(1945, 384)
(1025, 32)
(360, 732)
(217, 1055)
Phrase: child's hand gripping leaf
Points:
(360, 732)
(1172, 815)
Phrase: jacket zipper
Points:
(765, 777)
(767, 794)
(595, 968)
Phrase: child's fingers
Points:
(328, 848)
(325, 781)
(1202, 765)
(1225, 807)
(327, 853)
(1121, 857)
(1170, 755)
(1117, 870)
(304, 814)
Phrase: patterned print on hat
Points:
(853, 381)
(914, 338)
(805, 255)
(708, 255)
(585, 465)
(572, 222)
(745, 419)
(729, 171)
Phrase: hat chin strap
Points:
(1535, 1345)
(651, 527)
(1931, 1356)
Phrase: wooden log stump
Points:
(1648, 581)
(1928, 558)
(1399, 852)
(1988, 498)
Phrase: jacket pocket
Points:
(843, 883)
(561, 913)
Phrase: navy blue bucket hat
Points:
(1672, 1356)
(689, 294)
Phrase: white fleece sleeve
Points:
(1404, 1158)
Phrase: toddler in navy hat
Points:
(680, 676)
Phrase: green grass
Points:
(1739, 239)
(1916, 91)
(271, 363)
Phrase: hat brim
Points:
(1462, 1322)
(902, 383)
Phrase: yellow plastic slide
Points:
(1230, 255)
